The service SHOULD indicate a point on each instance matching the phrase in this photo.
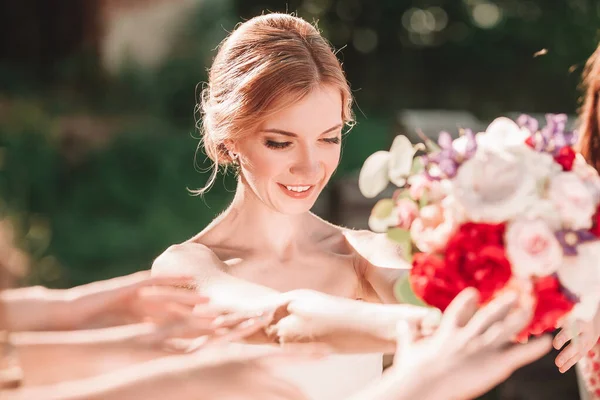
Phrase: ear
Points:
(232, 148)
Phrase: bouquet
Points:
(510, 208)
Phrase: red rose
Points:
(530, 141)
(551, 304)
(433, 282)
(565, 157)
(596, 223)
(476, 254)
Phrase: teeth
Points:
(298, 189)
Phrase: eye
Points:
(333, 140)
(276, 145)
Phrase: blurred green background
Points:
(97, 100)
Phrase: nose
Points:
(307, 164)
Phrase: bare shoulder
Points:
(190, 257)
(375, 249)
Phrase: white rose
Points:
(532, 248)
(580, 274)
(501, 134)
(573, 200)
(495, 186)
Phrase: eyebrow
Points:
(292, 134)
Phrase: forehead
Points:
(318, 111)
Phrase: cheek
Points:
(263, 165)
(331, 160)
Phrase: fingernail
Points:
(247, 323)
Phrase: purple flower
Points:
(552, 137)
(527, 122)
(570, 239)
(447, 159)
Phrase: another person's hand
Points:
(302, 316)
(471, 352)
(582, 335)
(85, 353)
(134, 298)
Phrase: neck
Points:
(266, 229)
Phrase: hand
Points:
(302, 316)
(200, 330)
(471, 352)
(133, 298)
(583, 335)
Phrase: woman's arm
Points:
(86, 353)
(51, 357)
(217, 374)
(303, 315)
(121, 300)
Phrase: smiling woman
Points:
(275, 107)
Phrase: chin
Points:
(288, 209)
(291, 206)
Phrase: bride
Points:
(274, 109)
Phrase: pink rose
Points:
(432, 229)
(421, 185)
(532, 248)
(573, 200)
(406, 211)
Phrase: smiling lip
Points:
(297, 191)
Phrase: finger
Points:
(495, 311)
(570, 363)
(231, 320)
(186, 282)
(405, 336)
(164, 313)
(144, 278)
(237, 333)
(568, 332)
(172, 295)
(460, 310)
(572, 350)
(502, 332)
(518, 355)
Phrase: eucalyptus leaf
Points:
(404, 293)
(403, 239)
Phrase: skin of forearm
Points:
(80, 355)
(33, 308)
(153, 380)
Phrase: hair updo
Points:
(265, 65)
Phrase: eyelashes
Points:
(272, 144)
(276, 145)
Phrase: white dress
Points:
(336, 377)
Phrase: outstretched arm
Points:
(302, 315)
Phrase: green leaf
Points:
(404, 293)
(417, 166)
(383, 208)
(402, 237)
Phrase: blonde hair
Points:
(266, 64)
